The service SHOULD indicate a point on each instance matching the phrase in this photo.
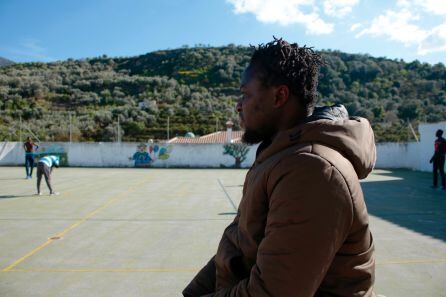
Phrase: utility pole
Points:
(168, 128)
(71, 132)
(119, 131)
(413, 132)
(20, 129)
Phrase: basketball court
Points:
(146, 232)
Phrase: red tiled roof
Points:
(216, 137)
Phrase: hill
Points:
(197, 89)
(5, 62)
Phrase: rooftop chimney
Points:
(229, 125)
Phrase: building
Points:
(227, 136)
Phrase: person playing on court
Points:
(302, 227)
(438, 159)
(45, 168)
(30, 147)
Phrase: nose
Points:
(238, 107)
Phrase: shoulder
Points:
(306, 165)
(314, 158)
(308, 181)
(317, 168)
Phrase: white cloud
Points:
(355, 27)
(33, 46)
(396, 26)
(405, 23)
(29, 49)
(437, 7)
(404, 3)
(405, 26)
(285, 12)
(433, 6)
(434, 42)
(339, 8)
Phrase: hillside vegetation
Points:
(197, 90)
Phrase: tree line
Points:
(196, 89)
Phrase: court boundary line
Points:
(108, 203)
(227, 195)
(421, 261)
(100, 270)
(142, 270)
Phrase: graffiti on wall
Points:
(147, 154)
(238, 151)
(52, 149)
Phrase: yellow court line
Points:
(61, 234)
(422, 261)
(128, 270)
(117, 270)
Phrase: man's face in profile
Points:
(255, 108)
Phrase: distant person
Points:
(437, 159)
(302, 228)
(45, 168)
(30, 148)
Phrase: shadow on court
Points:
(16, 196)
(408, 201)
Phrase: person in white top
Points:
(45, 168)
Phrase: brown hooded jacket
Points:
(302, 224)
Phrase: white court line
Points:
(227, 195)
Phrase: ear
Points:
(282, 95)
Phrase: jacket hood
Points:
(331, 126)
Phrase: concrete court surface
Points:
(146, 232)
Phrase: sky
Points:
(48, 31)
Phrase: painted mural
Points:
(238, 151)
(147, 154)
(52, 149)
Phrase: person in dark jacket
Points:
(30, 147)
(438, 158)
(301, 228)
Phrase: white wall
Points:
(412, 155)
(427, 133)
(398, 155)
(111, 154)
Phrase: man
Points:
(302, 225)
(438, 159)
(30, 147)
(45, 168)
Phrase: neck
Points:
(290, 118)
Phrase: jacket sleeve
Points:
(310, 213)
(203, 283)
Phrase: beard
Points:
(255, 136)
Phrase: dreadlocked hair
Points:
(279, 62)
